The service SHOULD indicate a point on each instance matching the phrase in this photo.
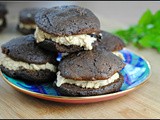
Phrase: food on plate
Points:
(23, 59)
(3, 12)
(67, 29)
(88, 73)
(26, 23)
(112, 43)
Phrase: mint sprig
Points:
(144, 34)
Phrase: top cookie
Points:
(25, 49)
(111, 42)
(3, 10)
(97, 64)
(67, 20)
(27, 15)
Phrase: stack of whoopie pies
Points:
(91, 63)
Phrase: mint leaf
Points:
(156, 42)
(156, 16)
(126, 35)
(147, 41)
(144, 34)
(146, 18)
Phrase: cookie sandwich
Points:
(3, 13)
(111, 43)
(23, 59)
(67, 29)
(26, 23)
(88, 73)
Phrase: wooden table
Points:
(142, 103)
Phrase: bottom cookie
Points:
(30, 75)
(73, 90)
(53, 46)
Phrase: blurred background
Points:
(122, 13)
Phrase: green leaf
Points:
(126, 35)
(156, 41)
(156, 16)
(158, 49)
(147, 41)
(144, 34)
(146, 18)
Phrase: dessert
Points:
(3, 12)
(112, 43)
(26, 23)
(88, 73)
(23, 59)
(67, 29)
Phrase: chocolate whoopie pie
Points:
(26, 23)
(3, 12)
(88, 73)
(67, 29)
(25, 60)
(112, 43)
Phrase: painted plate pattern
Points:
(136, 72)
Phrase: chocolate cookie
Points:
(97, 64)
(25, 60)
(26, 23)
(70, 26)
(95, 71)
(3, 12)
(35, 76)
(25, 49)
(111, 42)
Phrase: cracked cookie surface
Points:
(67, 20)
(25, 49)
(97, 64)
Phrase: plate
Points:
(136, 72)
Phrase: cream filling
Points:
(83, 40)
(86, 84)
(17, 65)
(118, 54)
(64, 54)
(1, 21)
(27, 26)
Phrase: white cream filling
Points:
(64, 54)
(27, 26)
(86, 84)
(1, 21)
(118, 54)
(17, 65)
(83, 40)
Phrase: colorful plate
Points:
(136, 72)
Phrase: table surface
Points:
(142, 103)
